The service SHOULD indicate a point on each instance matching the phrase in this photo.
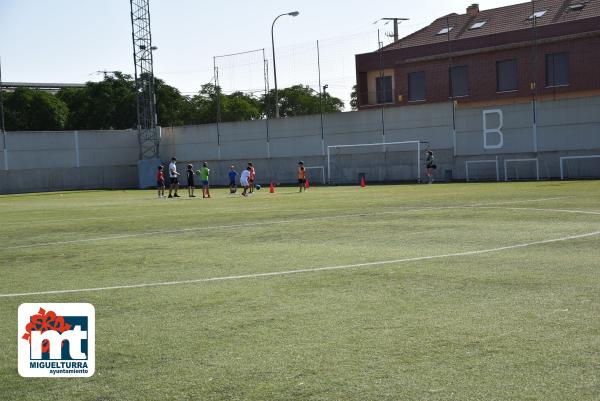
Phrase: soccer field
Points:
(412, 292)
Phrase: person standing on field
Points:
(244, 178)
(232, 180)
(173, 178)
(252, 176)
(204, 173)
(430, 164)
(190, 181)
(301, 176)
(160, 182)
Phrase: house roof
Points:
(500, 20)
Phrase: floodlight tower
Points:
(149, 137)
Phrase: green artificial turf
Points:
(517, 323)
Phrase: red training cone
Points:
(271, 188)
(306, 184)
(362, 182)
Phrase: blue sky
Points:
(69, 40)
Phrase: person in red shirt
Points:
(160, 182)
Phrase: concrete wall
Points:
(563, 128)
(41, 161)
(52, 161)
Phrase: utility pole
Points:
(2, 121)
(2, 107)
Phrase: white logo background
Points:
(56, 367)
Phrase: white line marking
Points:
(544, 210)
(309, 270)
(38, 221)
(261, 223)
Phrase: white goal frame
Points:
(322, 168)
(418, 143)
(495, 161)
(537, 166)
(562, 174)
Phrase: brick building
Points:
(546, 48)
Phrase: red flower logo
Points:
(44, 321)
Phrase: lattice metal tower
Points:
(149, 136)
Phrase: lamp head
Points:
(294, 13)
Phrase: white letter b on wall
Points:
(493, 132)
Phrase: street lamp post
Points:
(292, 14)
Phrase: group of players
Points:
(247, 179)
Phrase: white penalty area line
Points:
(544, 210)
(308, 270)
(268, 223)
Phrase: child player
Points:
(173, 178)
(160, 182)
(251, 177)
(232, 180)
(301, 176)
(204, 172)
(244, 180)
(190, 180)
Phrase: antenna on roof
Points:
(395, 34)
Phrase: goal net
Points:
(521, 169)
(574, 167)
(377, 162)
(315, 174)
(482, 170)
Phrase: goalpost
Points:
(320, 171)
(384, 148)
(564, 158)
(521, 161)
(489, 161)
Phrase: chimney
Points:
(473, 10)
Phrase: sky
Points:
(70, 40)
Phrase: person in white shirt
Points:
(173, 178)
(244, 180)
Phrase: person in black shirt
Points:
(190, 179)
(430, 164)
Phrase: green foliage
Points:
(172, 108)
(33, 110)
(354, 98)
(111, 104)
(301, 100)
(108, 104)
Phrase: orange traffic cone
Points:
(362, 182)
(271, 188)
(306, 184)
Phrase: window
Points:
(477, 25)
(459, 76)
(537, 14)
(557, 69)
(416, 86)
(444, 31)
(506, 75)
(385, 92)
(576, 6)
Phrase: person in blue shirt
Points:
(232, 180)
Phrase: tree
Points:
(354, 98)
(108, 104)
(172, 108)
(301, 100)
(237, 106)
(34, 110)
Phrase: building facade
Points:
(538, 49)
